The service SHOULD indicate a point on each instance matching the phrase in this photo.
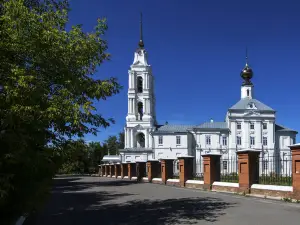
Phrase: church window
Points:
(140, 84)
(140, 111)
(239, 140)
(238, 126)
(160, 140)
(265, 126)
(248, 92)
(265, 141)
(140, 140)
(208, 140)
(224, 140)
(252, 126)
(252, 140)
(178, 141)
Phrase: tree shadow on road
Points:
(79, 184)
(109, 208)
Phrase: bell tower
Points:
(141, 118)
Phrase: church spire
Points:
(141, 42)
(247, 72)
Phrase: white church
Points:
(249, 123)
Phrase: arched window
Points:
(140, 84)
(248, 92)
(140, 111)
(140, 139)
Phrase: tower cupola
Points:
(247, 72)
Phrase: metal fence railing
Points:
(145, 174)
(197, 173)
(229, 169)
(176, 169)
(275, 169)
(159, 171)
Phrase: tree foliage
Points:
(47, 94)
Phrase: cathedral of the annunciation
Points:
(249, 123)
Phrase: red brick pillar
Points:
(153, 168)
(140, 170)
(131, 170)
(185, 169)
(248, 169)
(124, 170)
(211, 169)
(295, 149)
(166, 169)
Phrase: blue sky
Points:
(197, 50)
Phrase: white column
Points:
(131, 138)
(149, 107)
(129, 106)
(147, 139)
(133, 106)
(132, 80)
(127, 138)
(145, 107)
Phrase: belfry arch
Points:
(140, 140)
(140, 107)
(139, 84)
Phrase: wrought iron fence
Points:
(159, 171)
(229, 169)
(145, 174)
(176, 169)
(275, 169)
(197, 173)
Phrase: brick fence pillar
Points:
(131, 170)
(185, 169)
(153, 168)
(295, 149)
(140, 170)
(211, 168)
(124, 170)
(166, 169)
(248, 168)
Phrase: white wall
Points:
(169, 148)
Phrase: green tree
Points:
(121, 140)
(47, 94)
(112, 145)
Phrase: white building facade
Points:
(248, 124)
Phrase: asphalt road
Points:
(107, 201)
